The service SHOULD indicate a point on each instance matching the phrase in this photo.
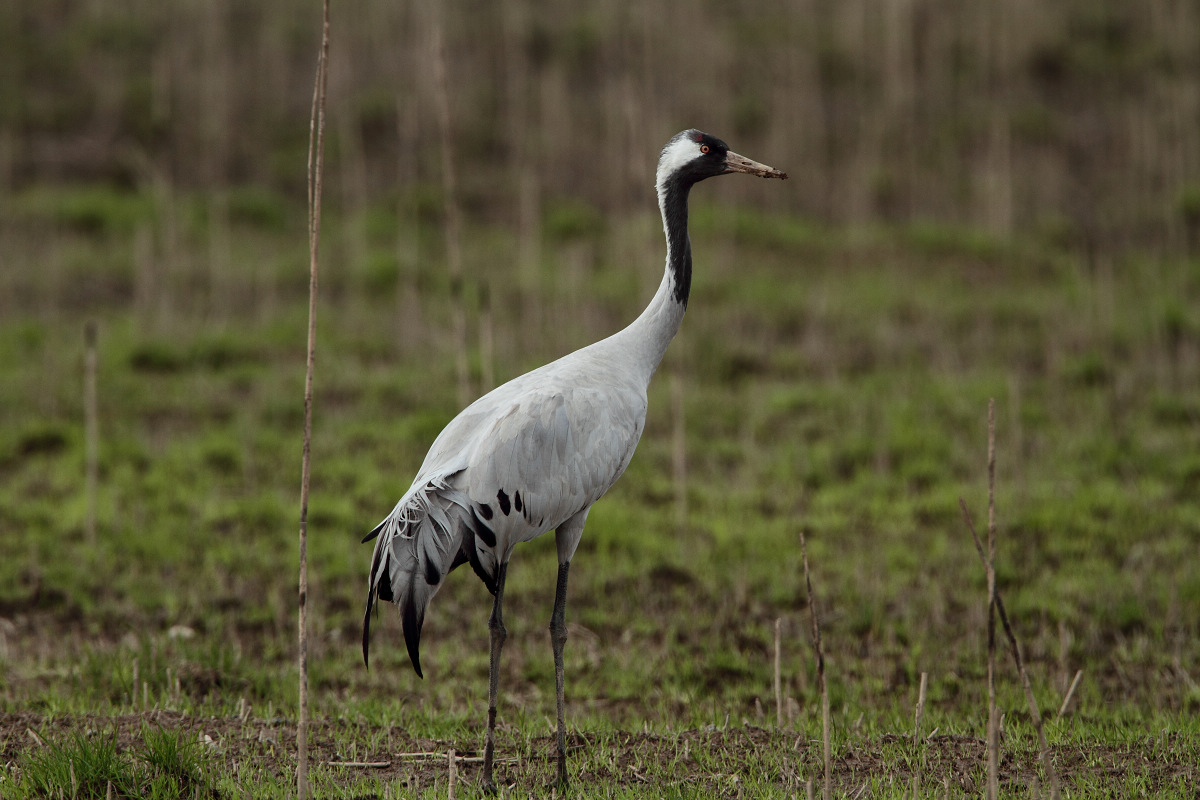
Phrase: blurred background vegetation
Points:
(1073, 120)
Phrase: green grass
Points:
(92, 764)
(834, 380)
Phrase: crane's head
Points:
(693, 155)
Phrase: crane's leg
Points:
(498, 635)
(558, 638)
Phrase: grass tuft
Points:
(167, 764)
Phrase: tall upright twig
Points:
(91, 415)
(827, 792)
(1015, 648)
(316, 164)
(920, 711)
(778, 678)
(1070, 693)
(993, 729)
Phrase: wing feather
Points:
(559, 448)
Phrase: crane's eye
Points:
(704, 148)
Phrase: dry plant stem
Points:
(316, 158)
(1034, 714)
(993, 730)
(1070, 692)
(827, 791)
(450, 775)
(778, 681)
(430, 756)
(92, 427)
(920, 708)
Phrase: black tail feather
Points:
(412, 548)
(380, 587)
(367, 630)
(374, 532)
(413, 619)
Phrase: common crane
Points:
(534, 454)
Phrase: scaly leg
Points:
(497, 634)
(558, 638)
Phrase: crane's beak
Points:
(736, 163)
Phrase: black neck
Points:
(679, 247)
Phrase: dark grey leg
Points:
(498, 635)
(558, 638)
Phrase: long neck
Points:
(673, 203)
(648, 336)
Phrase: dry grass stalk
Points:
(778, 681)
(1070, 693)
(920, 708)
(993, 729)
(91, 427)
(1064, 647)
(1044, 754)
(450, 775)
(316, 164)
(816, 634)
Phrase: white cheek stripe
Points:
(677, 153)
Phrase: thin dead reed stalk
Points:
(91, 427)
(1070, 693)
(920, 711)
(996, 608)
(778, 681)
(827, 791)
(920, 708)
(316, 164)
(1014, 647)
(993, 728)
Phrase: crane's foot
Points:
(489, 789)
(561, 783)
